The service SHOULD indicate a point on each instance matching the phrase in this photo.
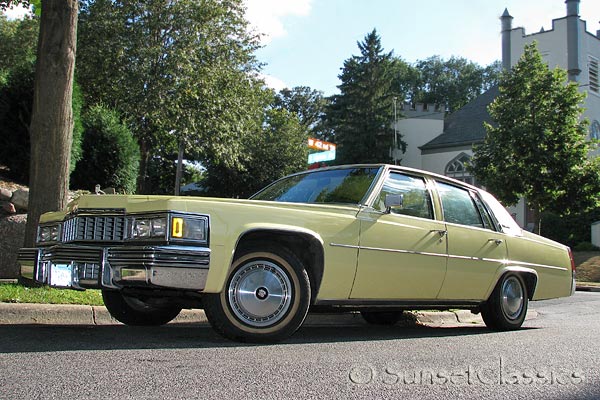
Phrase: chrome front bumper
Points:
(93, 267)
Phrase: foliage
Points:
(537, 148)
(110, 153)
(17, 62)
(16, 98)
(585, 246)
(177, 71)
(162, 170)
(277, 148)
(310, 106)
(361, 114)
(16, 101)
(17, 45)
(452, 82)
(569, 229)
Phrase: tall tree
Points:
(52, 117)
(452, 82)
(362, 114)
(18, 41)
(180, 72)
(309, 105)
(537, 147)
(277, 146)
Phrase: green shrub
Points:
(570, 229)
(585, 246)
(110, 156)
(16, 103)
(16, 100)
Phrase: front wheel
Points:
(133, 311)
(507, 306)
(266, 297)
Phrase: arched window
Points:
(457, 169)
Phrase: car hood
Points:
(141, 204)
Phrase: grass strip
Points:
(15, 293)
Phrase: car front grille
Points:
(94, 229)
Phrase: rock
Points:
(5, 194)
(12, 232)
(8, 208)
(20, 199)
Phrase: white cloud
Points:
(265, 16)
(17, 12)
(273, 82)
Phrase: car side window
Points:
(458, 206)
(416, 200)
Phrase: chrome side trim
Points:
(388, 250)
(451, 256)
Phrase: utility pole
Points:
(179, 167)
(395, 149)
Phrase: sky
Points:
(306, 41)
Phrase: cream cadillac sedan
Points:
(378, 239)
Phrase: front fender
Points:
(223, 254)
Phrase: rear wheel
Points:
(133, 311)
(381, 317)
(507, 306)
(266, 297)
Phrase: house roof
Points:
(465, 126)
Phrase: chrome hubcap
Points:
(260, 293)
(512, 297)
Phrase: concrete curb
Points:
(51, 314)
(587, 288)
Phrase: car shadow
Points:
(52, 338)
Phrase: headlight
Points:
(188, 228)
(146, 228)
(49, 233)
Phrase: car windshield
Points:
(346, 186)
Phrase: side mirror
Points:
(393, 200)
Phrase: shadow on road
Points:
(51, 338)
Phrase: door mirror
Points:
(392, 201)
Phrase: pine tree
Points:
(362, 114)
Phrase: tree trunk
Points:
(142, 181)
(52, 117)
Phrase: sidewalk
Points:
(50, 314)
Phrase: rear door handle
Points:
(497, 241)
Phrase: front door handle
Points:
(440, 232)
(497, 241)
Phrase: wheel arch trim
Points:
(312, 258)
(529, 275)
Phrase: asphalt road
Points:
(556, 356)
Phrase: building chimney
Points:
(506, 23)
(573, 39)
